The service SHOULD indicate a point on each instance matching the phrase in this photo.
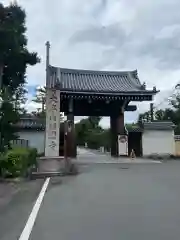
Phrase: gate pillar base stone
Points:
(50, 164)
(55, 166)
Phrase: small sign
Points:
(123, 145)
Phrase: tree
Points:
(165, 115)
(146, 116)
(40, 97)
(8, 117)
(13, 47)
(94, 121)
(169, 114)
(14, 59)
(19, 98)
(88, 131)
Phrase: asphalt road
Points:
(105, 201)
(16, 202)
(113, 201)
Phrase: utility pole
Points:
(47, 62)
(152, 111)
(47, 81)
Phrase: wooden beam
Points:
(99, 112)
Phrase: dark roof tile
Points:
(158, 125)
(135, 129)
(97, 81)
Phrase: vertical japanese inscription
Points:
(52, 122)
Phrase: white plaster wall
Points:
(161, 142)
(36, 139)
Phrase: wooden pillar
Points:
(114, 146)
(52, 123)
(117, 128)
(120, 124)
(71, 139)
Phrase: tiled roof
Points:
(177, 137)
(158, 125)
(97, 81)
(155, 125)
(134, 129)
(31, 123)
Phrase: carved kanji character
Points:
(52, 145)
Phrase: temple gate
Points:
(90, 93)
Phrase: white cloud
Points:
(107, 34)
(30, 104)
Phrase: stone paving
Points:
(86, 156)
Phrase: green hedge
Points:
(17, 161)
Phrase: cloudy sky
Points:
(107, 35)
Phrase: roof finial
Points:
(135, 74)
(143, 86)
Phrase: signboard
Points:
(52, 123)
(123, 145)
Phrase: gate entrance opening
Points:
(135, 143)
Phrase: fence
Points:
(20, 143)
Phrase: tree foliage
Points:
(40, 97)
(14, 59)
(160, 115)
(14, 56)
(88, 131)
(168, 114)
(8, 117)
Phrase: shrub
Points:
(2, 164)
(17, 161)
(32, 157)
